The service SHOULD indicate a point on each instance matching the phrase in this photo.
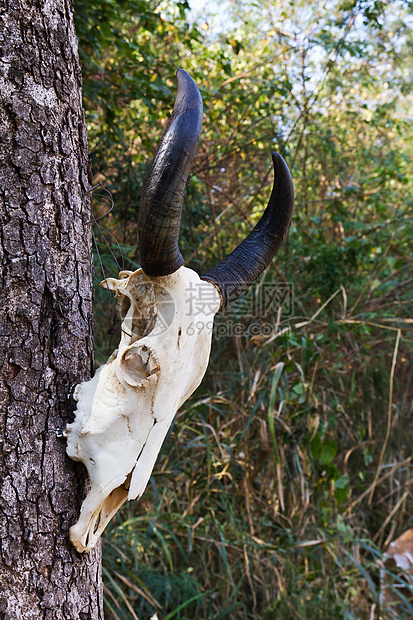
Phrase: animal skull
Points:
(124, 412)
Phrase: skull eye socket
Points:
(137, 364)
(133, 367)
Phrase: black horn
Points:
(237, 271)
(164, 186)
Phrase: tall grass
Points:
(289, 470)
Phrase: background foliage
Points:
(290, 468)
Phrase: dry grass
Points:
(282, 477)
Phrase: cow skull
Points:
(123, 414)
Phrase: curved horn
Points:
(237, 271)
(164, 186)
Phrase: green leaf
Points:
(328, 452)
(342, 482)
(271, 409)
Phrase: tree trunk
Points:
(45, 313)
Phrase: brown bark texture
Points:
(45, 313)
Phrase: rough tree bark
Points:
(45, 313)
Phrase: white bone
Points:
(123, 414)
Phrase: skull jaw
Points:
(95, 514)
(100, 506)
